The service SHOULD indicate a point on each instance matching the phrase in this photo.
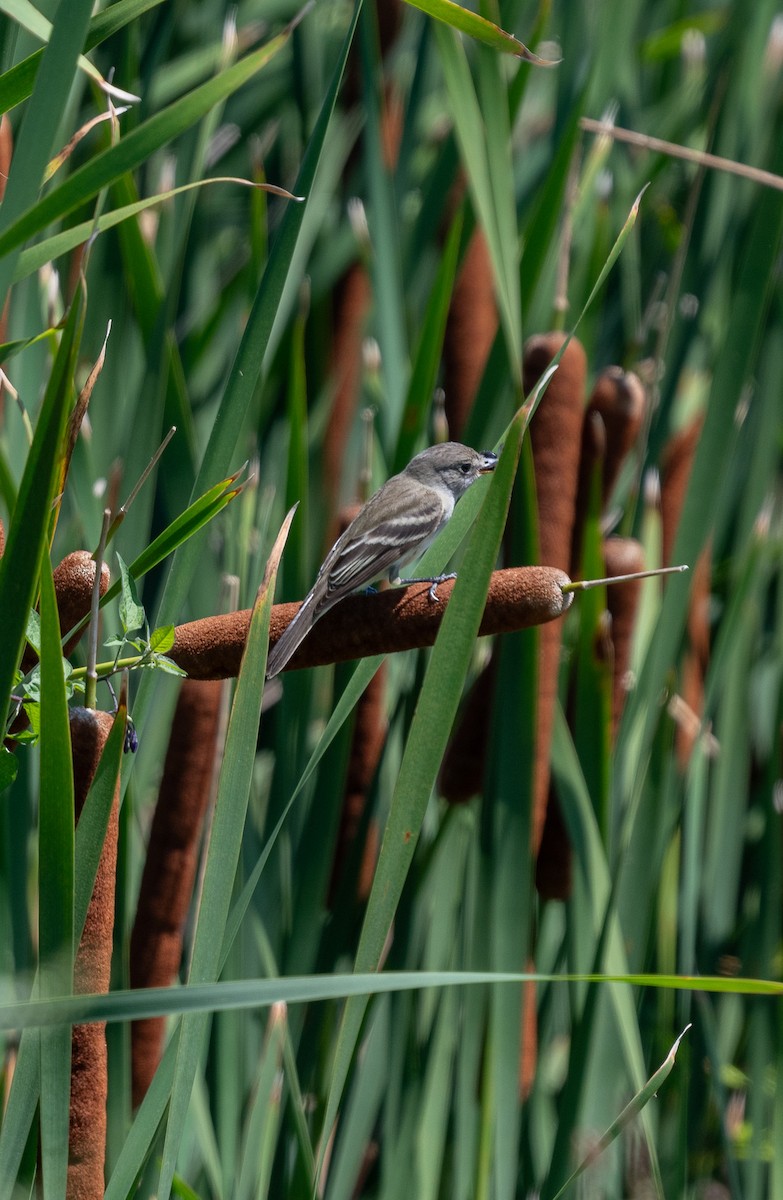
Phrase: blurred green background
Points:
(307, 337)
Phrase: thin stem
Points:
(674, 150)
(91, 670)
(122, 511)
(105, 670)
(584, 585)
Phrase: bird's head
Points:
(451, 465)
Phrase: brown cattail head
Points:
(359, 626)
(369, 736)
(618, 397)
(74, 580)
(612, 422)
(462, 772)
(352, 305)
(556, 435)
(170, 868)
(6, 151)
(470, 331)
(676, 467)
(528, 1050)
(554, 865)
(675, 473)
(622, 557)
(92, 968)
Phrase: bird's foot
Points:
(433, 582)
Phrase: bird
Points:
(393, 527)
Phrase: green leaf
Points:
(162, 639)
(130, 611)
(51, 248)
(9, 766)
(33, 631)
(631, 1110)
(479, 28)
(169, 667)
(236, 994)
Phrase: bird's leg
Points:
(433, 581)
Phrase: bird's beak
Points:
(489, 463)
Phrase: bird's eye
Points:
(464, 467)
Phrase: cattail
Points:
(369, 736)
(470, 331)
(619, 398)
(74, 579)
(528, 1050)
(622, 557)
(360, 625)
(611, 426)
(462, 772)
(169, 871)
(352, 305)
(675, 473)
(555, 433)
(554, 864)
(92, 968)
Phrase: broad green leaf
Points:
(162, 639)
(131, 612)
(35, 257)
(236, 994)
(479, 28)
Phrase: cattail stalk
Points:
(170, 867)
(92, 968)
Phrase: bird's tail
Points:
(291, 638)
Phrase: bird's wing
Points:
(368, 552)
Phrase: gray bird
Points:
(394, 527)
